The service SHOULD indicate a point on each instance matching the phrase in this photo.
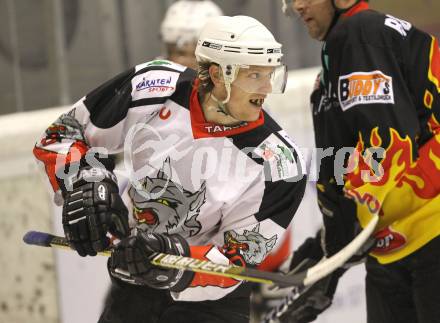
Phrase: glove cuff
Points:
(119, 279)
(82, 171)
(183, 277)
(310, 249)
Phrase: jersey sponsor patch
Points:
(388, 240)
(279, 157)
(285, 135)
(153, 84)
(365, 88)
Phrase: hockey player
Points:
(212, 175)
(378, 92)
(181, 27)
(179, 31)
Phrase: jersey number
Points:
(401, 26)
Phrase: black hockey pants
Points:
(139, 304)
(406, 291)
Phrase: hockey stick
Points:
(236, 272)
(317, 272)
(43, 239)
(275, 314)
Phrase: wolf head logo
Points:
(251, 244)
(175, 211)
(65, 127)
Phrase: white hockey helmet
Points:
(184, 20)
(240, 42)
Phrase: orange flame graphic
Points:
(398, 165)
(396, 160)
(434, 63)
(424, 176)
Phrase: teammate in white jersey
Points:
(181, 27)
(212, 176)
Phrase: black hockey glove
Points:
(91, 209)
(316, 298)
(339, 216)
(130, 261)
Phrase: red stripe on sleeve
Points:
(49, 158)
(274, 260)
(203, 280)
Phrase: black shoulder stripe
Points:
(182, 95)
(149, 101)
(109, 102)
(246, 143)
(281, 200)
(271, 123)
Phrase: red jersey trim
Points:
(203, 280)
(204, 129)
(49, 159)
(361, 6)
(274, 260)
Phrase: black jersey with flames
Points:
(231, 191)
(379, 92)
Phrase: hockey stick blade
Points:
(322, 269)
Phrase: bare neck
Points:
(214, 114)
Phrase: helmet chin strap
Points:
(222, 104)
(228, 117)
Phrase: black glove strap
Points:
(133, 256)
(184, 277)
(91, 209)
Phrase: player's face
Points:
(248, 92)
(183, 55)
(317, 15)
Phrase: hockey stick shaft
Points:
(322, 269)
(329, 265)
(179, 262)
(236, 272)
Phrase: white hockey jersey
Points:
(230, 191)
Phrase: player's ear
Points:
(215, 73)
